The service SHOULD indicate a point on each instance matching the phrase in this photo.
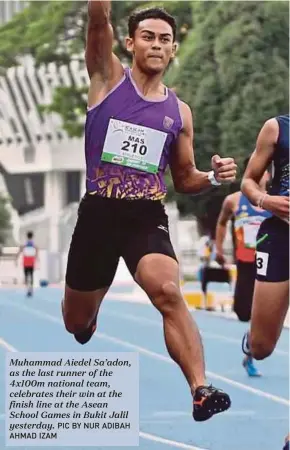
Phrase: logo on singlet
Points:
(168, 122)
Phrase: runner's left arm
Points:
(186, 177)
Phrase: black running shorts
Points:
(272, 254)
(108, 229)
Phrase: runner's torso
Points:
(128, 140)
(29, 254)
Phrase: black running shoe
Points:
(208, 401)
(84, 336)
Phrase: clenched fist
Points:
(225, 169)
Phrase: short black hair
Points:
(150, 13)
(29, 235)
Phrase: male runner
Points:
(29, 253)
(136, 126)
(210, 271)
(247, 221)
(271, 293)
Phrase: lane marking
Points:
(158, 356)
(7, 346)
(206, 334)
(151, 437)
(147, 321)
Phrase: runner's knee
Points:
(169, 297)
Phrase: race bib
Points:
(262, 259)
(250, 235)
(133, 146)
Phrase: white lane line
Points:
(151, 437)
(206, 334)
(7, 346)
(213, 375)
(147, 321)
(158, 356)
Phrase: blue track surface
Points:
(258, 418)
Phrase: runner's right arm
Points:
(104, 68)
(187, 179)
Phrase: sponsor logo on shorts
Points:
(162, 227)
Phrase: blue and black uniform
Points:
(272, 257)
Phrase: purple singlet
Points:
(128, 140)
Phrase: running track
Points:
(258, 418)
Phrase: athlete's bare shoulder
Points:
(270, 131)
(186, 115)
(229, 207)
(265, 148)
(231, 201)
(184, 107)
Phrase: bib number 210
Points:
(134, 148)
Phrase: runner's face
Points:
(152, 45)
